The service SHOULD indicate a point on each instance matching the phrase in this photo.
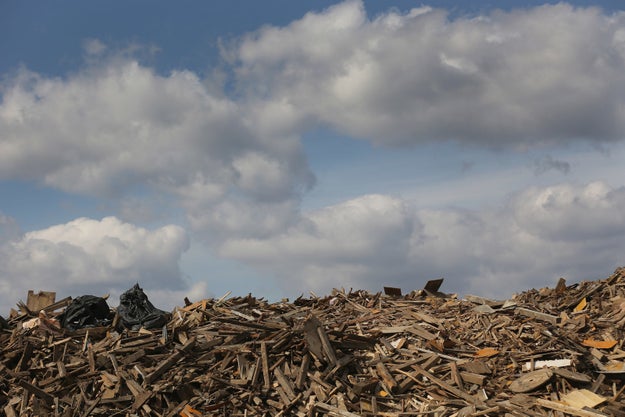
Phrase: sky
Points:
(286, 148)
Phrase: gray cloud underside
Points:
(546, 75)
(112, 128)
(538, 236)
(548, 163)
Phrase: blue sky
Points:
(284, 147)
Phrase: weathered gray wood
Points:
(538, 315)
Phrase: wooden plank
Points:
(333, 411)
(433, 285)
(327, 346)
(9, 411)
(39, 301)
(597, 383)
(37, 392)
(303, 370)
(561, 286)
(285, 383)
(472, 378)
(538, 315)
(387, 377)
(455, 391)
(392, 291)
(265, 362)
(91, 357)
(581, 398)
(169, 362)
(24, 362)
(483, 301)
(311, 336)
(455, 374)
(389, 381)
(61, 368)
(421, 332)
(552, 405)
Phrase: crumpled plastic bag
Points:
(136, 311)
(86, 311)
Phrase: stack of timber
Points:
(549, 352)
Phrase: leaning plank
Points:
(327, 347)
(265, 362)
(299, 382)
(383, 372)
(169, 362)
(455, 391)
(37, 392)
(312, 336)
(285, 383)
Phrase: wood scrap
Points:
(345, 354)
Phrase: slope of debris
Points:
(544, 352)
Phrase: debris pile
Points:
(548, 352)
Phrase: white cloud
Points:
(569, 213)
(503, 80)
(232, 218)
(105, 129)
(116, 126)
(545, 75)
(262, 176)
(350, 243)
(375, 240)
(87, 256)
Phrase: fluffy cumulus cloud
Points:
(568, 213)
(117, 125)
(87, 256)
(545, 75)
(538, 236)
(233, 160)
(235, 163)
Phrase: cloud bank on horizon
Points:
(227, 151)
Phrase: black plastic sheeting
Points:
(86, 311)
(136, 311)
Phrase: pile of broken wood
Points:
(549, 352)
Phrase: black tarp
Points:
(3, 323)
(136, 311)
(86, 311)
